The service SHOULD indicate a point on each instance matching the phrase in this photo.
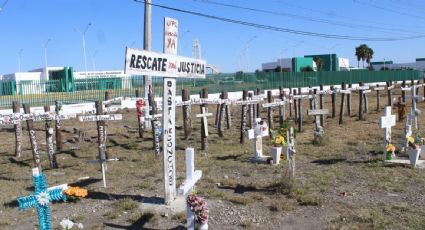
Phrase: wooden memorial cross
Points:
(362, 99)
(414, 106)
(187, 119)
(343, 91)
(318, 125)
(290, 101)
(277, 103)
(403, 90)
(33, 139)
(155, 123)
(378, 89)
(291, 153)
(386, 123)
(204, 122)
(294, 93)
(41, 198)
(322, 121)
(100, 119)
(18, 131)
(243, 117)
(30, 118)
(169, 66)
(49, 141)
(349, 100)
(299, 109)
(58, 133)
(389, 93)
(408, 127)
(259, 131)
(204, 125)
(258, 94)
(401, 109)
(333, 100)
(186, 188)
(270, 109)
(222, 111)
(282, 114)
(251, 113)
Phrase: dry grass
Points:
(348, 162)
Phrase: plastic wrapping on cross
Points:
(40, 200)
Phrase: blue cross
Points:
(40, 199)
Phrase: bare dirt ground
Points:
(340, 184)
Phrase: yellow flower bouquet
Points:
(75, 193)
(390, 151)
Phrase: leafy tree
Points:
(307, 69)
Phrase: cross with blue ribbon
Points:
(40, 199)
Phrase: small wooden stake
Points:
(18, 130)
(33, 139)
(243, 118)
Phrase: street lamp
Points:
(181, 39)
(245, 51)
(45, 57)
(330, 56)
(83, 34)
(19, 59)
(94, 59)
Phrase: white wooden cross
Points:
(386, 123)
(277, 103)
(408, 126)
(259, 131)
(316, 113)
(192, 177)
(204, 116)
(290, 152)
(102, 134)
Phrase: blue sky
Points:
(27, 25)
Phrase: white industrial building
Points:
(418, 65)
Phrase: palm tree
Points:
(364, 53)
(369, 55)
(358, 54)
(319, 63)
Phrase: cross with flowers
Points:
(41, 198)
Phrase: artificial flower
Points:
(43, 198)
(390, 148)
(75, 192)
(410, 139)
(66, 224)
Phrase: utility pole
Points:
(147, 43)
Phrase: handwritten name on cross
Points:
(192, 177)
(204, 116)
(386, 123)
(40, 199)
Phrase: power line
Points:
(282, 29)
(388, 9)
(342, 16)
(4, 4)
(311, 19)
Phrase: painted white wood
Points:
(386, 123)
(204, 116)
(109, 117)
(169, 135)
